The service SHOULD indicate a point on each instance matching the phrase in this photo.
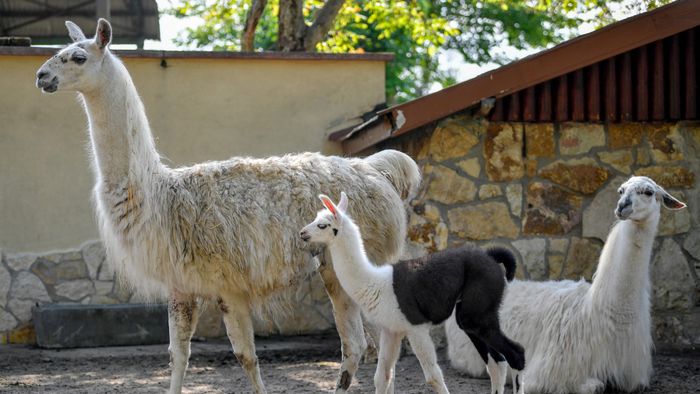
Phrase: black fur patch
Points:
(428, 288)
(517, 383)
(335, 231)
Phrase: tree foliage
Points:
(416, 31)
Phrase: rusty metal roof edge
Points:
(606, 42)
(378, 56)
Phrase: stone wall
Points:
(83, 276)
(547, 191)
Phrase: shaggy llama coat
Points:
(580, 336)
(224, 230)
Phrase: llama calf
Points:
(409, 297)
(580, 336)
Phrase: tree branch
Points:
(324, 20)
(251, 23)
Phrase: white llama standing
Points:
(222, 230)
(580, 336)
(407, 298)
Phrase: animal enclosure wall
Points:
(547, 191)
(201, 107)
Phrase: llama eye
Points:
(621, 191)
(79, 59)
(648, 192)
(322, 226)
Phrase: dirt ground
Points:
(299, 365)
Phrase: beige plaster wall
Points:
(199, 109)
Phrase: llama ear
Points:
(74, 32)
(669, 201)
(343, 204)
(103, 35)
(329, 204)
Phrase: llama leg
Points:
(239, 328)
(389, 350)
(423, 347)
(182, 321)
(518, 386)
(498, 371)
(348, 322)
(496, 365)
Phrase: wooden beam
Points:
(593, 93)
(610, 113)
(657, 82)
(691, 103)
(626, 94)
(544, 103)
(577, 96)
(642, 84)
(562, 100)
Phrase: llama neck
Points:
(350, 261)
(121, 138)
(621, 283)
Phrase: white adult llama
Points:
(223, 230)
(580, 337)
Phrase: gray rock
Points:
(20, 262)
(514, 194)
(532, 252)
(7, 321)
(692, 244)
(22, 309)
(94, 256)
(598, 218)
(106, 272)
(558, 245)
(103, 287)
(672, 281)
(674, 222)
(75, 289)
(27, 286)
(5, 281)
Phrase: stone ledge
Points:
(69, 326)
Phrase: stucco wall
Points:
(547, 192)
(199, 109)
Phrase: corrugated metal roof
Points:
(43, 20)
(597, 76)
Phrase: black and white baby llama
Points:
(407, 298)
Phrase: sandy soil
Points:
(300, 368)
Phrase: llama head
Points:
(328, 223)
(641, 197)
(77, 66)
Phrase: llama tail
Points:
(505, 257)
(399, 169)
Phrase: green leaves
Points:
(416, 31)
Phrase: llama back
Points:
(231, 223)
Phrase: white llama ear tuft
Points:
(329, 204)
(343, 204)
(103, 35)
(74, 32)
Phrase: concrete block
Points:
(69, 326)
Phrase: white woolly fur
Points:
(580, 336)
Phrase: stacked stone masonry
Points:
(84, 276)
(547, 192)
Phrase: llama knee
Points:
(248, 362)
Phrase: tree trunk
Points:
(294, 34)
(291, 26)
(251, 23)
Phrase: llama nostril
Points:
(41, 74)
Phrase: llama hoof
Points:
(591, 386)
